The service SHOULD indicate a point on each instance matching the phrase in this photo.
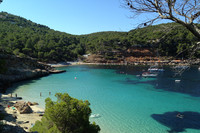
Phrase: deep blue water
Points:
(126, 102)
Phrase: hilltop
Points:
(25, 38)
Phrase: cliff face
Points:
(130, 56)
(18, 69)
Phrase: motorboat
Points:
(155, 69)
(181, 67)
(177, 81)
(148, 74)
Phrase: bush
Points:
(3, 67)
(66, 115)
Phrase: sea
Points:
(123, 100)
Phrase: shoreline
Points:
(12, 116)
(137, 63)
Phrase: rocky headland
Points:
(15, 69)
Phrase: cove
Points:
(127, 103)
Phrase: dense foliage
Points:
(3, 67)
(1, 123)
(168, 39)
(25, 38)
(66, 115)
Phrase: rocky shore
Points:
(19, 116)
(141, 60)
(19, 69)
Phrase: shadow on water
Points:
(178, 121)
(134, 82)
(189, 80)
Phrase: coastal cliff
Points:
(15, 69)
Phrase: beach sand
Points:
(26, 121)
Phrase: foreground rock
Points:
(57, 71)
(14, 121)
(12, 128)
(23, 107)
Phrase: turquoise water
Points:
(127, 103)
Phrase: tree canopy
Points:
(27, 39)
(66, 115)
(184, 12)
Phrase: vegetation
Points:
(25, 38)
(66, 115)
(1, 123)
(3, 67)
(184, 12)
(169, 39)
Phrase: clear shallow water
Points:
(126, 103)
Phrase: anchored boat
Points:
(148, 74)
(155, 69)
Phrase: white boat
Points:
(95, 116)
(199, 68)
(177, 81)
(155, 68)
(148, 74)
(181, 67)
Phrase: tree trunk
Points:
(194, 29)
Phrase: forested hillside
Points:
(25, 38)
(168, 39)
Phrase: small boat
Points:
(199, 68)
(148, 74)
(177, 81)
(95, 116)
(155, 69)
(181, 67)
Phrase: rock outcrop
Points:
(12, 128)
(18, 69)
(23, 107)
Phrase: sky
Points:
(75, 16)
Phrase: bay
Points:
(126, 102)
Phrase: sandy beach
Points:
(64, 64)
(14, 118)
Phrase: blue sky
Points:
(75, 16)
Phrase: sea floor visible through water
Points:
(125, 101)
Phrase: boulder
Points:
(23, 107)
(34, 103)
(14, 116)
(19, 103)
(30, 103)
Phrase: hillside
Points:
(27, 39)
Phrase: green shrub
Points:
(66, 115)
